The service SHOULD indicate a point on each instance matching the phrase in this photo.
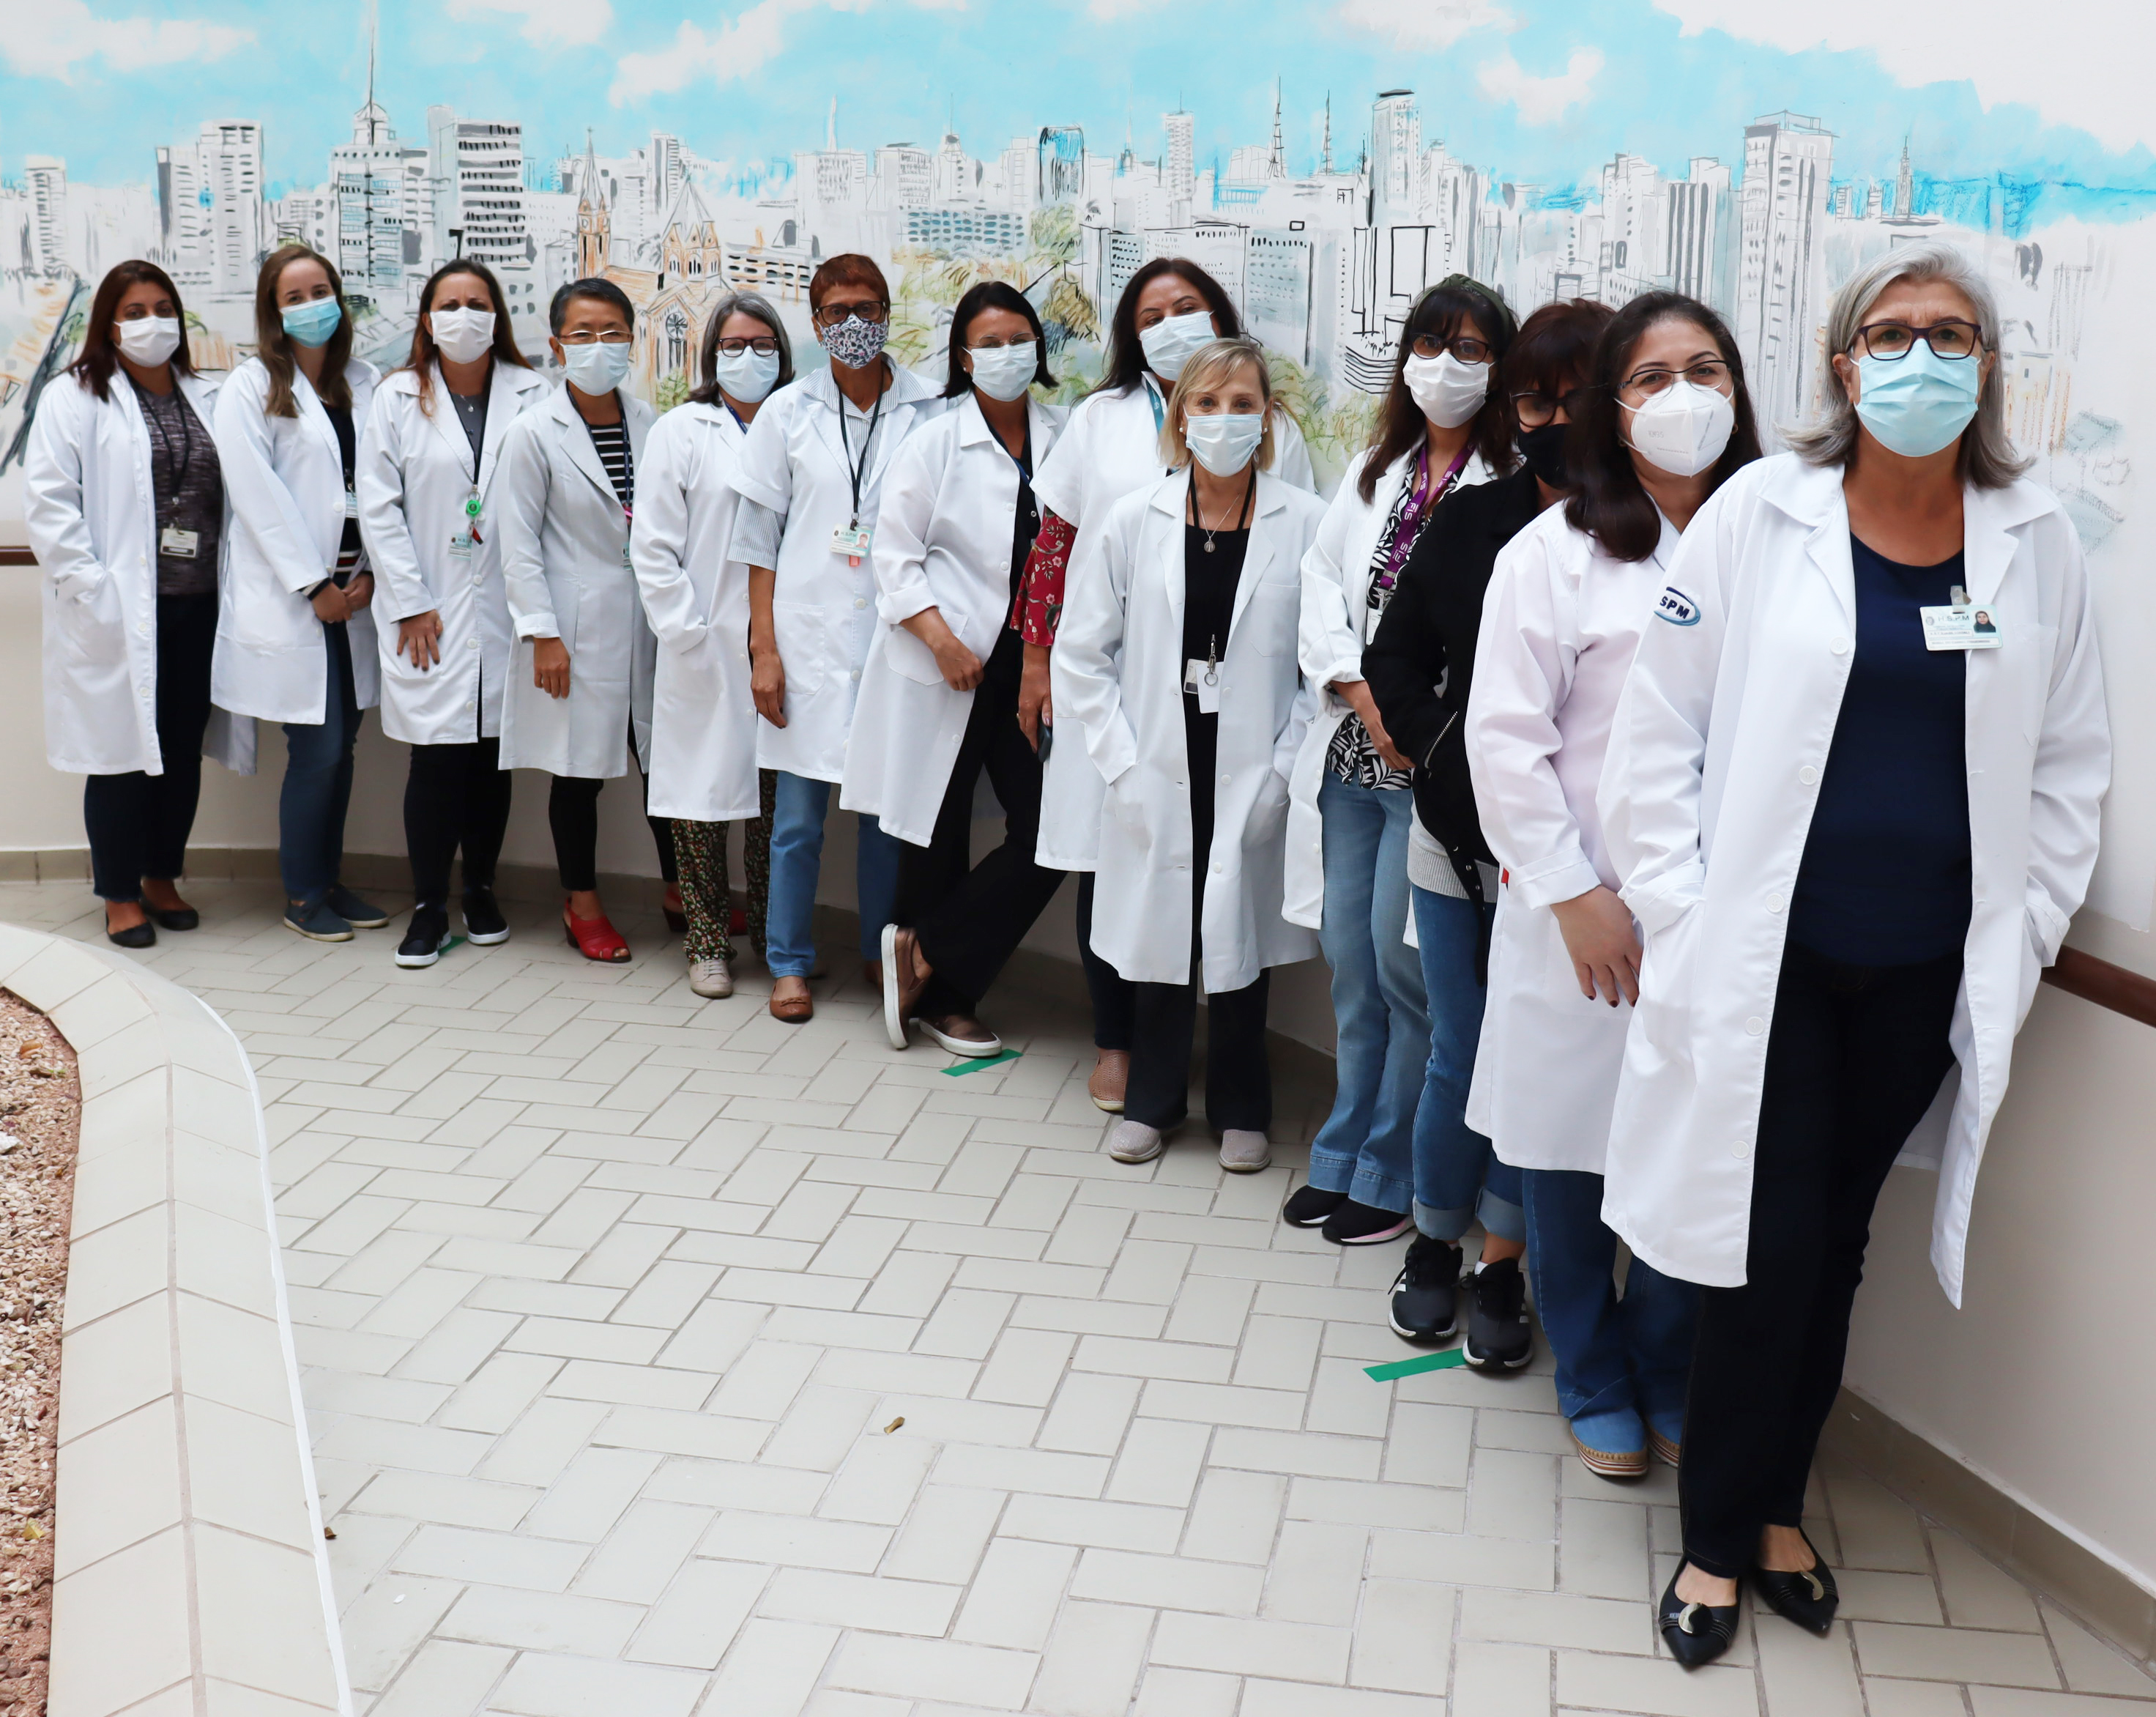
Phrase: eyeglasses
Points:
(869, 309)
(1645, 383)
(763, 345)
(585, 337)
(1464, 347)
(1890, 341)
(1537, 411)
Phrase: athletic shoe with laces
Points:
(424, 937)
(1426, 1292)
(1358, 1223)
(483, 920)
(712, 978)
(1498, 1331)
(1308, 1207)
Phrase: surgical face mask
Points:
(1172, 341)
(1918, 404)
(1446, 391)
(855, 343)
(599, 368)
(148, 340)
(1005, 371)
(1543, 450)
(1683, 428)
(311, 323)
(462, 335)
(1223, 441)
(746, 375)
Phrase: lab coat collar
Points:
(907, 388)
(973, 426)
(821, 388)
(505, 381)
(1167, 497)
(582, 453)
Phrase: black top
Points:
(189, 486)
(611, 440)
(1025, 522)
(472, 413)
(1886, 878)
(347, 449)
(1421, 662)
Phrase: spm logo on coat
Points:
(1676, 608)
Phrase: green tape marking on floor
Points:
(1426, 1362)
(451, 942)
(975, 1066)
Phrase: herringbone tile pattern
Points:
(663, 1359)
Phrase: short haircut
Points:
(991, 294)
(99, 357)
(1211, 366)
(599, 292)
(1125, 361)
(849, 269)
(755, 304)
(1554, 349)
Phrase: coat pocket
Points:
(910, 657)
(1669, 986)
(807, 640)
(92, 628)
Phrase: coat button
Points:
(1741, 1149)
(860, 602)
(1224, 781)
(1775, 903)
(471, 644)
(1840, 646)
(1755, 1026)
(1808, 774)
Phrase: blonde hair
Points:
(1209, 367)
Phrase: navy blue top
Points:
(1886, 878)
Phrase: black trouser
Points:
(1239, 1078)
(967, 918)
(456, 797)
(1856, 1058)
(573, 812)
(1114, 996)
(138, 823)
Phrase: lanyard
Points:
(1242, 521)
(163, 445)
(855, 468)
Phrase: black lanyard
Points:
(1198, 518)
(158, 439)
(855, 469)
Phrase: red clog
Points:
(594, 938)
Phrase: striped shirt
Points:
(612, 441)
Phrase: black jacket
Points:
(1421, 662)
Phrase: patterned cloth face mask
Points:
(855, 343)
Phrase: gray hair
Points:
(1987, 458)
(755, 304)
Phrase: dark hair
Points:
(598, 291)
(1125, 360)
(99, 357)
(847, 269)
(1606, 500)
(424, 352)
(755, 304)
(273, 346)
(1554, 348)
(992, 294)
(1400, 425)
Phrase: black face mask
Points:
(1543, 450)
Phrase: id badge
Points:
(460, 545)
(351, 505)
(180, 544)
(1202, 680)
(1959, 627)
(853, 541)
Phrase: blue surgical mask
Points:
(1223, 441)
(1918, 404)
(312, 323)
(747, 375)
(1173, 341)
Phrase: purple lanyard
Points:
(1419, 502)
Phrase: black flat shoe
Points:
(1694, 1633)
(1808, 1599)
(141, 935)
(185, 918)
(1308, 1208)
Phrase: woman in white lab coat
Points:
(1666, 422)
(295, 629)
(1855, 833)
(579, 693)
(1177, 660)
(124, 501)
(1442, 426)
(939, 695)
(810, 475)
(1111, 448)
(432, 520)
(695, 598)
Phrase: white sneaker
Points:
(1243, 1152)
(712, 978)
(1134, 1141)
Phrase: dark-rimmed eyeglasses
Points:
(762, 345)
(1537, 411)
(869, 309)
(1952, 339)
(1464, 347)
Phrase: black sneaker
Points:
(1309, 1207)
(424, 937)
(483, 920)
(1355, 1224)
(1498, 1332)
(1426, 1292)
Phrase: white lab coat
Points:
(696, 600)
(285, 500)
(565, 574)
(1560, 622)
(92, 514)
(415, 474)
(1120, 652)
(1336, 623)
(943, 541)
(1111, 447)
(1707, 801)
(823, 610)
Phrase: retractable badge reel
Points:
(1202, 680)
(460, 545)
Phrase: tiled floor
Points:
(663, 1358)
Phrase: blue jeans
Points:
(797, 856)
(1456, 1178)
(1364, 1147)
(317, 790)
(1610, 1353)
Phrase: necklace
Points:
(1243, 517)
